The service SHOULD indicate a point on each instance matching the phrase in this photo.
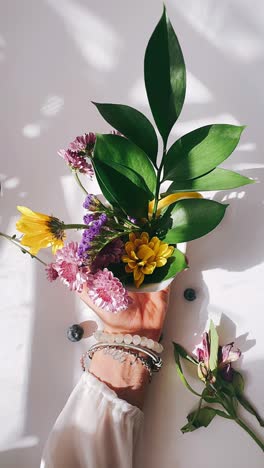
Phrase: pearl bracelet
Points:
(119, 355)
(120, 338)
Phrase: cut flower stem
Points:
(250, 432)
(79, 182)
(18, 244)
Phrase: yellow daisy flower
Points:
(40, 230)
(144, 255)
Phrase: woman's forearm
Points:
(128, 381)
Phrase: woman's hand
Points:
(145, 317)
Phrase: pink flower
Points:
(84, 142)
(107, 291)
(69, 267)
(226, 355)
(76, 162)
(51, 272)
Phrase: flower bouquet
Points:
(134, 235)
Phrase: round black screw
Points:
(75, 332)
(189, 294)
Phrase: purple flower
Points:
(77, 153)
(89, 235)
(225, 357)
(84, 143)
(91, 202)
(76, 162)
(107, 291)
(132, 220)
(111, 253)
(88, 218)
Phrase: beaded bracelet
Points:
(121, 338)
(118, 354)
(155, 359)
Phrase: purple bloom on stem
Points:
(84, 142)
(88, 218)
(89, 235)
(225, 357)
(76, 162)
(107, 291)
(132, 220)
(91, 202)
(111, 253)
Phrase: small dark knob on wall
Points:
(75, 332)
(189, 294)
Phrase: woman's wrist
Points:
(128, 381)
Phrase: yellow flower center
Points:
(144, 255)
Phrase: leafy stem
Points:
(250, 432)
(158, 184)
(23, 250)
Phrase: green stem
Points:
(79, 182)
(158, 184)
(250, 432)
(74, 226)
(17, 243)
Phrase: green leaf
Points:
(120, 191)
(114, 149)
(192, 218)
(133, 125)
(217, 179)
(200, 418)
(133, 176)
(248, 406)
(165, 76)
(214, 345)
(180, 373)
(200, 151)
(238, 383)
(209, 396)
(175, 264)
(181, 351)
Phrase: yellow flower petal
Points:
(137, 273)
(144, 252)
(161, 262)
(132, 236)
(139, 281)
(38, 230)
(149, 268)
(32, 214)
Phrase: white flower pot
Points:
(153, 287)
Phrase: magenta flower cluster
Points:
(76, 155)
(107, 291)
(68, 267)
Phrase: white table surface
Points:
(56, 56)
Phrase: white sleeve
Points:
(95, 429)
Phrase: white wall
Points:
(56, 56)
